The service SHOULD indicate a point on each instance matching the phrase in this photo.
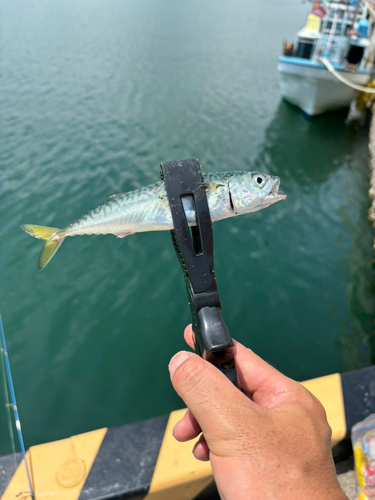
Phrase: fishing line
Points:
(8, 411)
(13, 401)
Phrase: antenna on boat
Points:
(13, 403)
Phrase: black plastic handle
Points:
(195, 253)
(217, 343)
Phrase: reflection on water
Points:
(308, 150)
(328, 155)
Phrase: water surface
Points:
(93, 97)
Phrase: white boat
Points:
(329, 58)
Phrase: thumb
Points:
(213, 400)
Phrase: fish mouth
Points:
(275, 193)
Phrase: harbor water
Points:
(93, 96)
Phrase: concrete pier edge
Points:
(142, 460)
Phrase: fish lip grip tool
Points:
(195, 251)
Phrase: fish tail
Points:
(53, 238)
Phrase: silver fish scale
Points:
(147, 208)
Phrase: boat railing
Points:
(334, 41)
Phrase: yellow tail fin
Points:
(53, 238)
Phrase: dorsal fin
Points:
(113, 197)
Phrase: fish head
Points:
(250, 192)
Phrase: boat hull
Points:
(310, 86)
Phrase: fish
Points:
(147, 209)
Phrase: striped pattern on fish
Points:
(147, 209)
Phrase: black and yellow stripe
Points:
(143, 461)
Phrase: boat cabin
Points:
(338, 31)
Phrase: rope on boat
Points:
(342, 79)
(371, 212)
(13, 405)
(370, 7)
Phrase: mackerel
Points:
(147, 209)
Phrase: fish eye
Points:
(259, 180)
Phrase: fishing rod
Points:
(13, 404)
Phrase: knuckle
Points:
(311, 402)
(315, 413)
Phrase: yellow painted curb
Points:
(58, 469)
(329, 392)
(178, 474)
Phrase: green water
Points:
(94, 95)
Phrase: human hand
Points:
(269, 442)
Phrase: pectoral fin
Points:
(212, 186)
